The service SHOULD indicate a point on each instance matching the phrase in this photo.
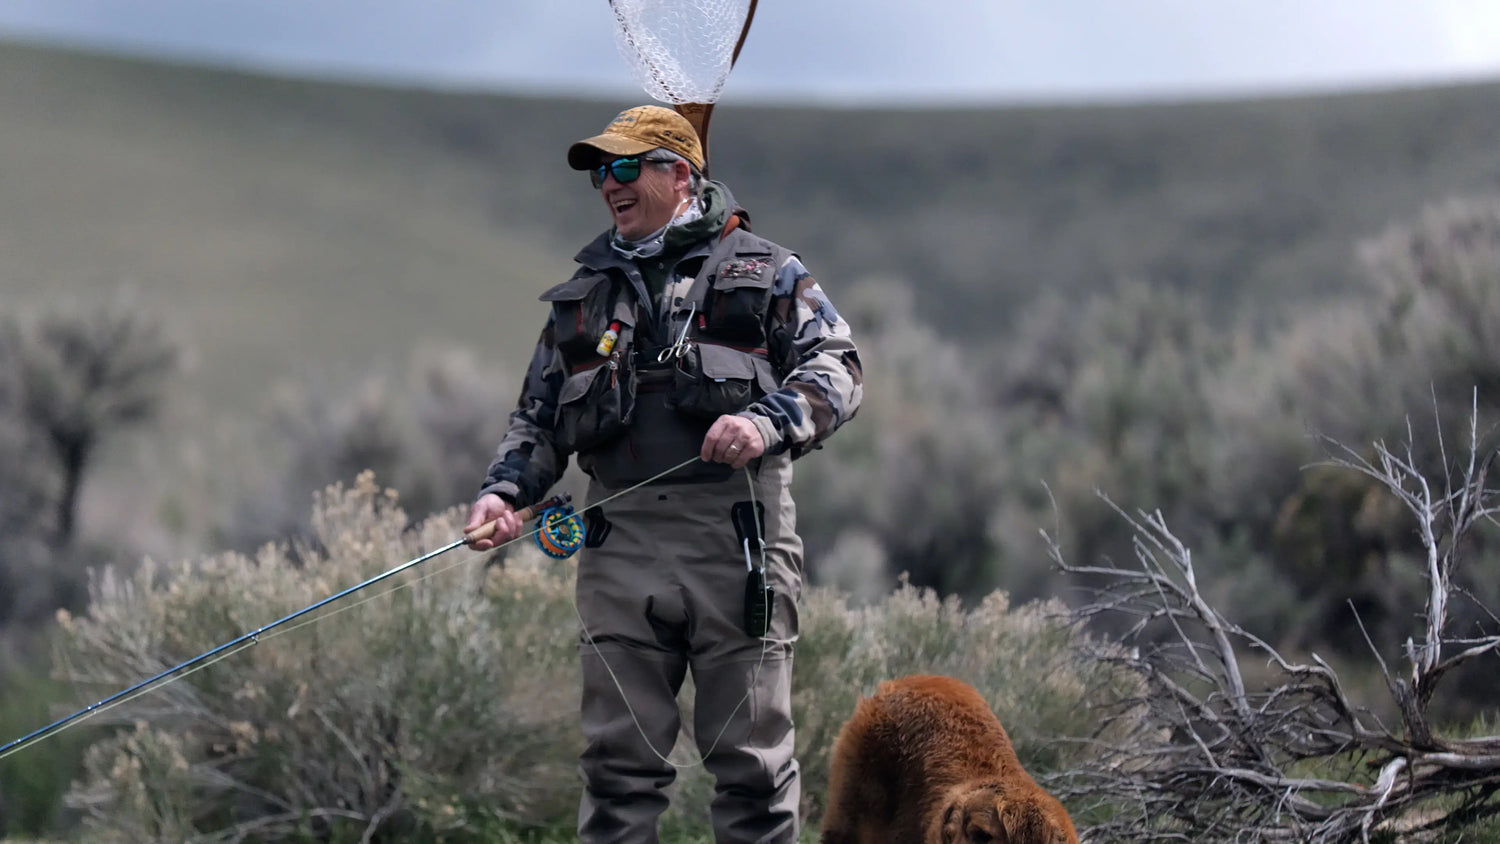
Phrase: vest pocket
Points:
(711, 380)
(594, 406)
(736, 306)
(582, 312)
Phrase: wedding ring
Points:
(734, 448)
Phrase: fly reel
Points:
(559, 531)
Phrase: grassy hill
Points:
(280, 226)
(287, 227)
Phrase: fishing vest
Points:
(632, 410)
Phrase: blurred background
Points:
(951, 51)
(1152, 250)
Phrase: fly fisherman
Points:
(682, 335)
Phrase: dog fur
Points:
(925, 761)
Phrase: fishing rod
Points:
(559, 534)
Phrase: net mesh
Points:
(680, 51)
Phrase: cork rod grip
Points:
(486, 530)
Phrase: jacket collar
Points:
(718, 204)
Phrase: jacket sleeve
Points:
(822, 380)
(528, 462)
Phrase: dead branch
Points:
(1208, 759)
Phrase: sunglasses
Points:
(625, 170)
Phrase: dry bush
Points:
(72, 376)
(425, 433)
(1423, 325)
(439, 706)
(922, 417)
(1111, 392)
(76, 374)
(1420, 333)
(1214, 755)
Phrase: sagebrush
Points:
(448, 706)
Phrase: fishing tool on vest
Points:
(608, 340)
(561, 519)
(749, 519)
(560, 531)
(680, 346)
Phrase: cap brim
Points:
(585, 154)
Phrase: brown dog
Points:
(925, 761)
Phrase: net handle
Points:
(699, 114)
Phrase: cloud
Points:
(873, 50)
(1471, 30)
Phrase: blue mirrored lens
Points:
(623, 169)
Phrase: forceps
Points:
(680, 347)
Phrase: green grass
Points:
(282, 231)
(33, 780)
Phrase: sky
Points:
(834, 51)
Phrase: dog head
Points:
(995, 813)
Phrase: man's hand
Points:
(734, 440)
(492, 508)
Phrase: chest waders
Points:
(663, 587)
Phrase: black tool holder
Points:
(750, 526)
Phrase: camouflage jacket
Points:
(763, 320)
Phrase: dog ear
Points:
(971, 818)
(952, 825)
(1023, 821)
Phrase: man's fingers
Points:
(726, 449)
(491, 508)
(715, 442)
(510, 524)
(733, 440)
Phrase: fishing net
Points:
(681, 51)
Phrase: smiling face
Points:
(645, 204)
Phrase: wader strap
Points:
(724, 249)
(734, 223)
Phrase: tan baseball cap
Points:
(639, 130)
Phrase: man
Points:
(686, 363)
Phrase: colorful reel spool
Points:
(560, 532)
